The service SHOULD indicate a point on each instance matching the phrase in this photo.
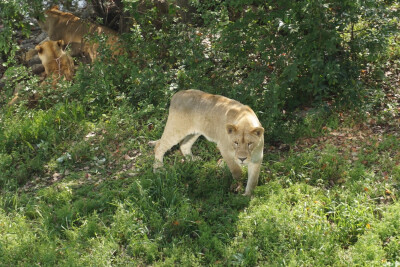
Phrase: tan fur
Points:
(56, 61)
(233, 126)
(74, 31)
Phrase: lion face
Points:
(244, 139)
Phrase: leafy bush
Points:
(76, 179)
(275, 57)
(14, 19)
(30, 140)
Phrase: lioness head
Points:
(244, 139)
(49, 50)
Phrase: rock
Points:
(27, 41)
(27, 46)
(37, 69)
(41, 37)
(35, 60)
(44, 40)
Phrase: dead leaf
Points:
(57, 176)
(127, 157)
(89, 135)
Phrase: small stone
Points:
(41, 37)
(35, 60)
(37, 68)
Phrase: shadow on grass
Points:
(189, 207)
(183, 215)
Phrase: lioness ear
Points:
(54, 8)
(39, 49)
(60, 43)
(230, 128)
(259, 131)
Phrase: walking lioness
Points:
(233, 126)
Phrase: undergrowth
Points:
(76, 179)
(83, 193)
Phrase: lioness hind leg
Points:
(187, 143)
(159, 155)
(170, 137)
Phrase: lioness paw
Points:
(236, 187)
(152, 143)
(246, 194)
(157, 166)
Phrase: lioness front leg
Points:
(252, 180)
(235, 169)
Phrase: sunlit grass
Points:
(315, 206)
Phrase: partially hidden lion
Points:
(75, 32)
(57, 63)
(234, 127)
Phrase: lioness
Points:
(73, 31)
(56, 61)
(233, 126)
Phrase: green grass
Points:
(77, 186)
(315, 205)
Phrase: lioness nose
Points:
(242, 159)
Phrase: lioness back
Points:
(193, 100)
(74, 31)
(233, 126)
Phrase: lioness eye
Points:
(250, 144)
(236, 143)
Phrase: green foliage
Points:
(76, 180)
(27, 142)
(275, 57)
(14, 16)
(186, 215)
